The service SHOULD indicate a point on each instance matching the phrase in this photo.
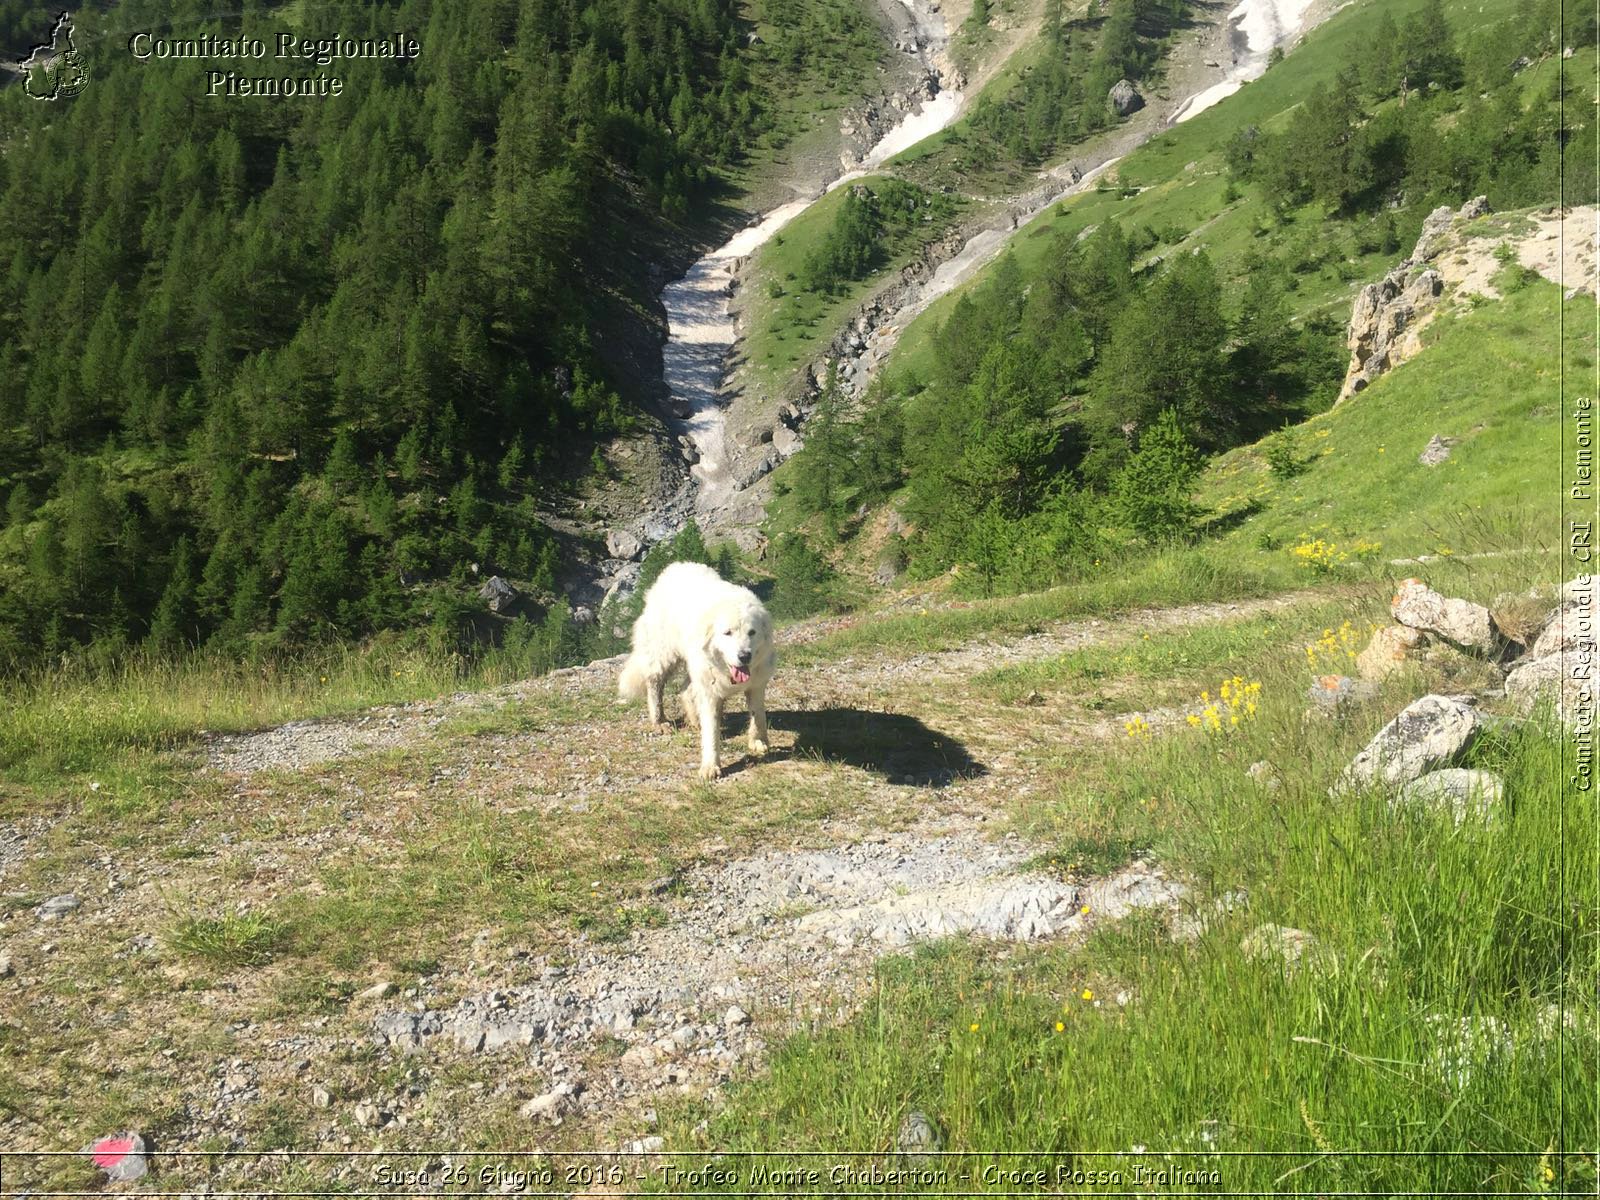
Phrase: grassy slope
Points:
(1172, 198)
(1497, 490)
(787, 331)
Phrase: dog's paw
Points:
(710, 771)
(758, 747)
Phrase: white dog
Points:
(722, 636)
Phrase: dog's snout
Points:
(745, 656)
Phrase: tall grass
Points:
(76, 718)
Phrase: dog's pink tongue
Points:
(739, 674)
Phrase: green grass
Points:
(231, 940)
(1180, 575)
(1158, 661)
(791, 329)
(114, 723)
(1487, 377)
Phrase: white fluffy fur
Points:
(716, 630)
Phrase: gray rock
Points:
(1568, 679)
(1380, 319)
(1464, 793)
(1463, 624)
(1570, 628)
(1265, 774)
(1334, 693)
(5, 966)
(645, 1145)
(786, 441)
(499, 595)
(735, 1016)
(918, 1138)
(1125, 98)
(884, 574)
(378, 991)
(559, 1102)
(1477, 207)
(1294, 947)
(1436, 451)
(321, 1098)
(122, 1156)
(370, 1116)
(1429, 733)
(620, 543)
(57, 907)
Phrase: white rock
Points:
(559, 1102)
(1459, 622)
(735, 1016)
(377, 991)
(1571, 626)
(1464, 793)
(1428, 733)
(1278, 941)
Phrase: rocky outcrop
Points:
(1125, 98)
(1436, 451)
(1388, 316)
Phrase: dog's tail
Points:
(631, 680)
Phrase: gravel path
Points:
(758, 945)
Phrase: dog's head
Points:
(739, 633)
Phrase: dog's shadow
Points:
(899, 748)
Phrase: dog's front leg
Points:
(710, 712)
(757, 700)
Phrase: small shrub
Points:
(1282, 451)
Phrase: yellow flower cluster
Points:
(1333, 649)
(1318, 555)
(1138, 727)
(1235, 704)
(1361, 548)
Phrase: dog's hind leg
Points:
(757, 700)
(691, 711)
(652, 699)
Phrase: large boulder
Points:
(1462, 623)
(1569, 629)
(1125, 98)
(1429, 733)
(1390, 648)
(624, 544)
(499, 595)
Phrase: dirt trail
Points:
(302, 744)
